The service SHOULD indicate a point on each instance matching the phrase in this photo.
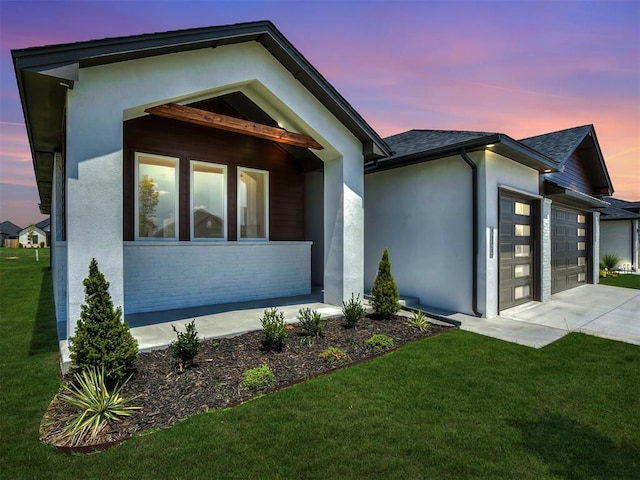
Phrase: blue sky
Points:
(519, 67)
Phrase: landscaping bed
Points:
(167, 394)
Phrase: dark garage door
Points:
(516, 251)
(568, 248)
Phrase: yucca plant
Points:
(418, 320)
(97, 405)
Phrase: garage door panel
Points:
(516, 251)
(569, 255)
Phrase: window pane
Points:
(521, 271)
(582, 245)
(522, 250)
(208, 194)
(581, 219)
(521, 292)
(157, 196)
(582, 261)
(582, 277)
(253, 203)
(523, 230)
(581, 232)
(522, 209)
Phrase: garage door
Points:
(516, 251)
(568, 248)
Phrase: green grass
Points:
(627, 281)
(454, 406)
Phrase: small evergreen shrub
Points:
(385, 298)
(311, 322)
(187, 345)
(274, 329)
(101, 338)
(259, 377)
(352, 311)
(334, 355)
(378, 342)
(418, 320)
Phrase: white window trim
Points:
(224, 200)
(266, 202)
(136, 213)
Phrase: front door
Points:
(516, 250)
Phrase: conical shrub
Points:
(385, 298)
(101, 338)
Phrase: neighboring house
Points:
(133, 138)
(32, 237)
(620, 232)
(9, 233)
(477, 222)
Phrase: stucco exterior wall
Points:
(620, 237)
(106, 95)
(496, 171)
(160, 276)
(423, 215)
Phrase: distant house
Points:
(9, 233)
(35, 236)
(620, 232)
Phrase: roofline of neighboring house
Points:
(502, 145)
(45, 73)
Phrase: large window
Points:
(253, 204)
(156, 196)
(208, 200)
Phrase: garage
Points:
(516, 280)
(569, 253)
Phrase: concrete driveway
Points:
(600, 310)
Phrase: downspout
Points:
(476, 243)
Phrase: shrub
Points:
(418, 320)
(378, 342)
(187, 345)
(259, 377)
(97, 406)
(334, 355)
(352, 311)
(101, 339)
(274, 328)
(609, 261)
(385, 298)
(311, 322)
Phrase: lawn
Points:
(454, 406)
(627, 281)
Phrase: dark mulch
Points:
(168, 395)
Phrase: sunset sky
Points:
(518, 67)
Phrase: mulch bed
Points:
(168, 395)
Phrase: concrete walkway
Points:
(600, 310)
(609, 312)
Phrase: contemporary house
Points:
(477, 222)
(216, 165)
(35, 236)
(620, 232)
(201, 166)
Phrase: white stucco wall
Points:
(423, 215)
(162, 276)
(496, 171)
(620, 237)
(106, 95)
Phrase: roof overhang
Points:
(499, 143)
(571, 198)
(44, 74)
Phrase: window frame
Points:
(225, 231)
(239, 238)
(136, 202)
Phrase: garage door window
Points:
(521, 292)
(522, 250)
(522, 230)
(522, 209)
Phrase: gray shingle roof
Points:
(9, 228)
(620, 210)
(43, 224)
(415, 141)
(558, 145)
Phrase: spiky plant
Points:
(385, 298)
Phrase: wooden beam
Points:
(231, 124)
